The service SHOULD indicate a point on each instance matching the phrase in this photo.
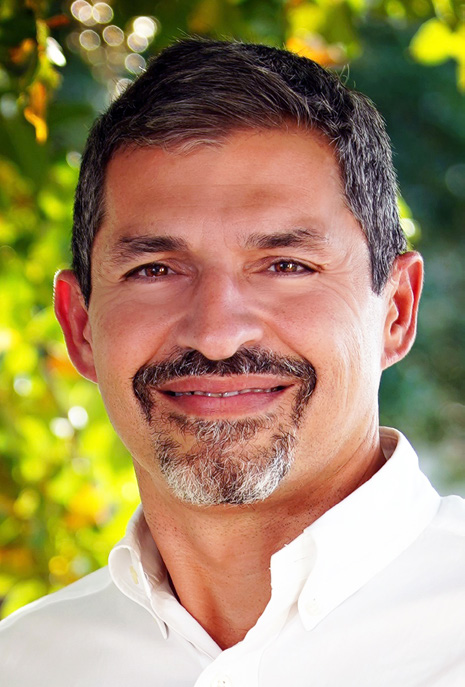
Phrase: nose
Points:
(220, 318)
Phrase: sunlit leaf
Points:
(21, 594)
(315, 48)
(35, 112)
(433, 42)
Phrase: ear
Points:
(403, 292)
(73, 317)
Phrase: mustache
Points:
(192, 363)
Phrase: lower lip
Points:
(242, 404)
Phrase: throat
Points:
(227, 611)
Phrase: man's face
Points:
(234, 332)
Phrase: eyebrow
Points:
(292, 239)
(129, 247)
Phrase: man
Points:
(240, 281)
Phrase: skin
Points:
(310, 300)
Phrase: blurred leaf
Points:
(18, 28)
(35, 112)
(22, 593)
(433, 42)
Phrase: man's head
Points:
(248, 281)
(198, 92)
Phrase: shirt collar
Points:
(330, 560)
(137, 568)
(362, 534)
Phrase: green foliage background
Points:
(67, 487)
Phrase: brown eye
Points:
(150, 272)
(154, 270)
(289, 267)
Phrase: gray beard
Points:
(223, 465)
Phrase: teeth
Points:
(225, 394)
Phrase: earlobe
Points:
(72, 315)
(403, 292)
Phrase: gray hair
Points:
(198, 92)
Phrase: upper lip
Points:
(220, 385)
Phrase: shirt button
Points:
(313, 607)
(221, 681)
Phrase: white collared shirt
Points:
(372, 594)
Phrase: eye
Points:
(289, 267)
(153, 270)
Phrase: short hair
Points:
(200, 91)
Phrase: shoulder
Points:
(33, 636)
(450, 518)
(79, 593)
(40, 627)
(71, 632)
(438, 554)
(445, 533)
(445, 536)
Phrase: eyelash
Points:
(300, 268)
(135, 273)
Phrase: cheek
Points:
(340, 336)
(125, 334)
(309, 322)
(124, 337)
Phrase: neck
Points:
(218, 558)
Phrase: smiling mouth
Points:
(224, 394)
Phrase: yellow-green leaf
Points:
(433, 43)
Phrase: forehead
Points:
(253, 179)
